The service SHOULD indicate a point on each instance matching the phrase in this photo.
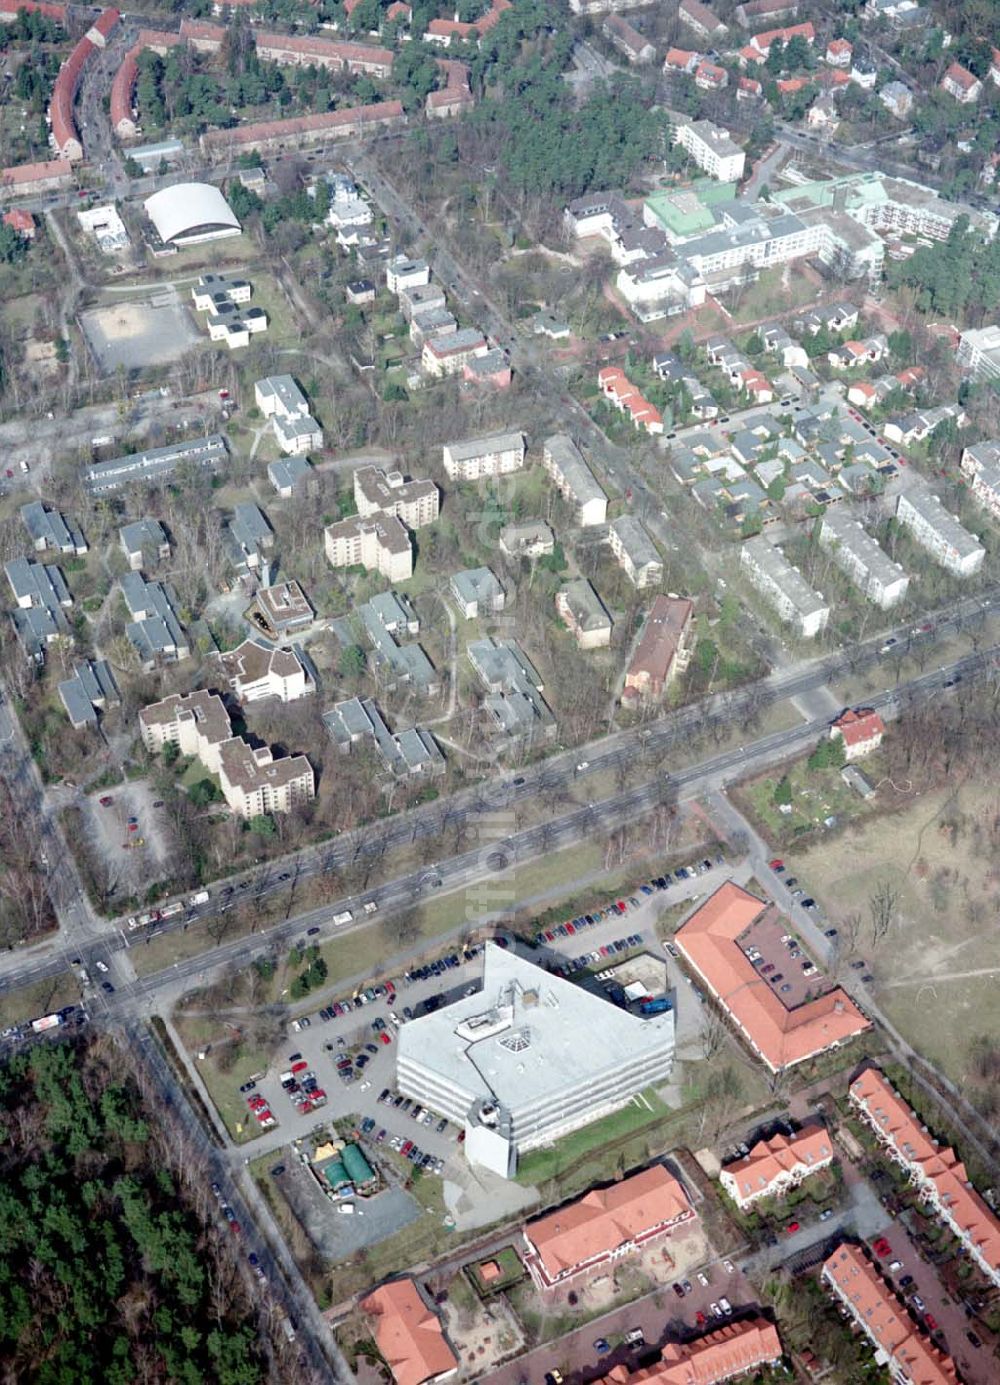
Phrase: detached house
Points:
(861, 731)
(960, 83)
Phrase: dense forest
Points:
(105, 1274)
(956, 278)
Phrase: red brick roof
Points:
(960, 76)
(730, 1351)
(22, 175)
(382, 112)
(408, 1334)
(856, 727)
(11, 8)
(781, 1036)
(21, 221)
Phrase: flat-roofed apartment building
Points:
(857, 554)
(947, 541)
(564, 462)
(781, 1037)
(664, 649)
(712, 148)
(252, 781)
(604, 1226)
(280, 399)
(376, 491)
(497, 454)
(784, 587)
(773, 1167)
(379, 544)
(935, 1170)
(909, 1357)
(255, 672)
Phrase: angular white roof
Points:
(528, 1035)
(182, 209)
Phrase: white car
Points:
(101, 966)
(702, 1279)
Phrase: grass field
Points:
(543, 1164)
(816, 796)
(937, 968)
(40, 998)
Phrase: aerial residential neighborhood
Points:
(498, 692)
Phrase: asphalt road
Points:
(143, 996)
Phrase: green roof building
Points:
(359, 1171)
(685, 212)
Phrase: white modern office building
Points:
(516, 1064)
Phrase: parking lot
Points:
(128, 834)
(780, 958)
(930, 1305)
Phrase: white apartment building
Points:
(404, 273)
(256, 672)
(784, 587)
(376, 491)
(948, 542)
(980, 466)
(252, 781)
(979, 352)
(498, 454)
(635, 552)
(563, 461)
(449, 355)
(855, 552)
(280, 399)
(380, 543)
(712, 148)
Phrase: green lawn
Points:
(544, 1164)
(816, 796)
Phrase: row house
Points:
(616, 387)
(935, 1170)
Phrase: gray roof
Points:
(944, 524)
(79, 707)
(407, 662)
(249, 528)
(587, 608)
(409, 752)
(513, 686)
(476, 584)
(635, 541)
(576, 473)
(528, 1035)
(142, 533)
(52, 529)
(91, 686)
(849, 534)
(477, 447)
(154, 628)
(157, 462)
(40, 583)
(287, 472)
(392, 610)
(775, 566)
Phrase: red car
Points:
(106, 801)
(777, 863)
(931, 1322)
(234, 1226)
(792, 1226)
(700, 1319)
(881, 1247)
(300, 1066)
(385, 1038)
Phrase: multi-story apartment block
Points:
(979, 352)
(628, 40)
(494, 455)
(404, 273)
(936, 1171)
(255, 672)
(252, 781)
(980, 466)
(868, 566)
(960, 83)
(701, 19)
(378, 544)
(564, 462)
(376, 491)
(948, 542)
(450, 354)
(635, 552)
(776, 1166)
(784, 587)
(280, 399)
(712, 148)
(477, 592)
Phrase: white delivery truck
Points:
(345, 916)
